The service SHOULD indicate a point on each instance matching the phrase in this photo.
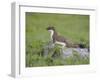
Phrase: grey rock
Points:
(83, 52)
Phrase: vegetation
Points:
(73, 27)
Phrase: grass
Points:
(73, 27)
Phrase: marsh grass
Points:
(73, 27)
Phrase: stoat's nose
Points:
(47, 29)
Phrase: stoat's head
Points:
(50, 28)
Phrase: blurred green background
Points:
(72, 26)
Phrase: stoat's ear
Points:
(50, 27)
(53, 27)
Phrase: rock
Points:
(66, 53)
(82, 52)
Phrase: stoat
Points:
(57, 39)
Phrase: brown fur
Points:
(59, 38)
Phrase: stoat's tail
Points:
(82, 46)
(76, 45)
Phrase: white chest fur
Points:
(57, 42)
(51, 33)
